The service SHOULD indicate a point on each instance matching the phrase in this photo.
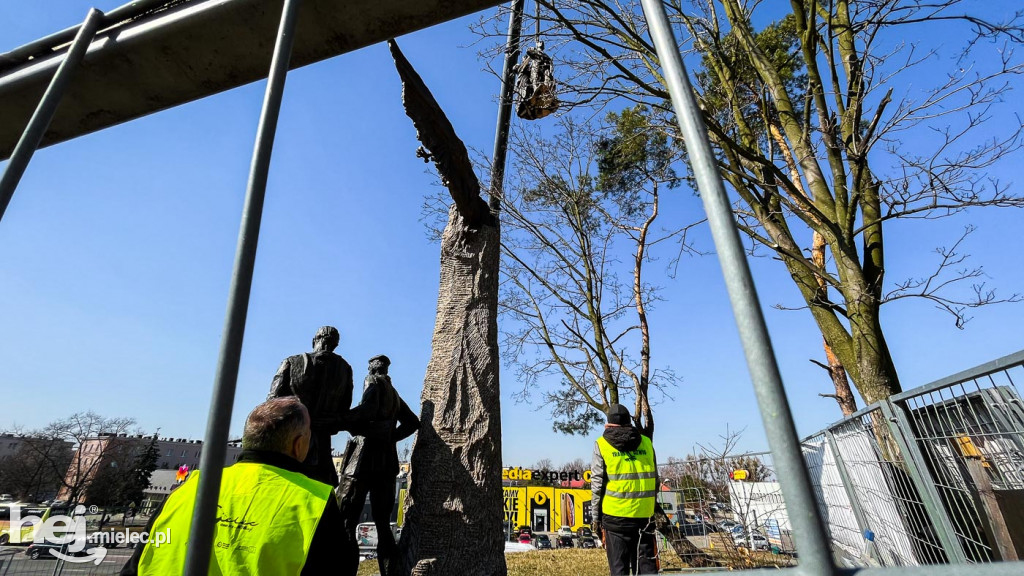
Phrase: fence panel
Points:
(109, 538)
(971, 433)
(893, 507)
(849, 546)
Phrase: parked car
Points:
(752, 540)
(726, 525)
(564, 542)
(525, 538)
(587, 542)
(542, 542)
(565, 531)
(697, 528)
(584, 532)
(41, 551)
(524, 529)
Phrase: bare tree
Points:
(93, 438)
(128, 465)
(574, 465)
(36, 471)
(544, 464)
(821, 142)
(580, 213)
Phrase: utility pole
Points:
(515, 25)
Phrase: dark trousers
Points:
(352, 497)
(631, 551)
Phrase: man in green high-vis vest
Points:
(272, 520)
(624, 485)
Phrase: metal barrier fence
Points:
(110, 538)
(732, 523)
(933, 475)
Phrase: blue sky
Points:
(116, 252)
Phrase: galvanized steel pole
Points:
(48, 44)
(43, 115)
(201, 535)
(515, 25)
(810, 531)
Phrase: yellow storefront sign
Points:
(546, 508)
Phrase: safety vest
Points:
(631, 488)
(266, 518)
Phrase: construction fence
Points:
(930, 476)
(934, 475)
(108, 539)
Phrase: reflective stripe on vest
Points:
(631, 488)
(266, 518)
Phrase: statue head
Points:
(379, 364)
(326, 338)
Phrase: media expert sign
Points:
(545, 475)
(528, 505)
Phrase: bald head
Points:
(280, 425)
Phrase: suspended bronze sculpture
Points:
(535, 81)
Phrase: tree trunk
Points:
(844, 395)
(836, 371)
(454, 507)
(878, 379)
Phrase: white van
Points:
(366, 537)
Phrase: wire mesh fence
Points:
(93, 542)
(897, 529)
(934, 475)
(971, 435)
(727, 511)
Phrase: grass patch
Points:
(593, 562)
(567, 562)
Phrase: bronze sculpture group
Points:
(322, 381)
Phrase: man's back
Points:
(266, 518)
(271, 519)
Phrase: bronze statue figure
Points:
(370, 465)
(322, 380)
(535, 84)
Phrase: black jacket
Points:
(322, 556)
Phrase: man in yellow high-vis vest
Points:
(272, 520)
(624, 485)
